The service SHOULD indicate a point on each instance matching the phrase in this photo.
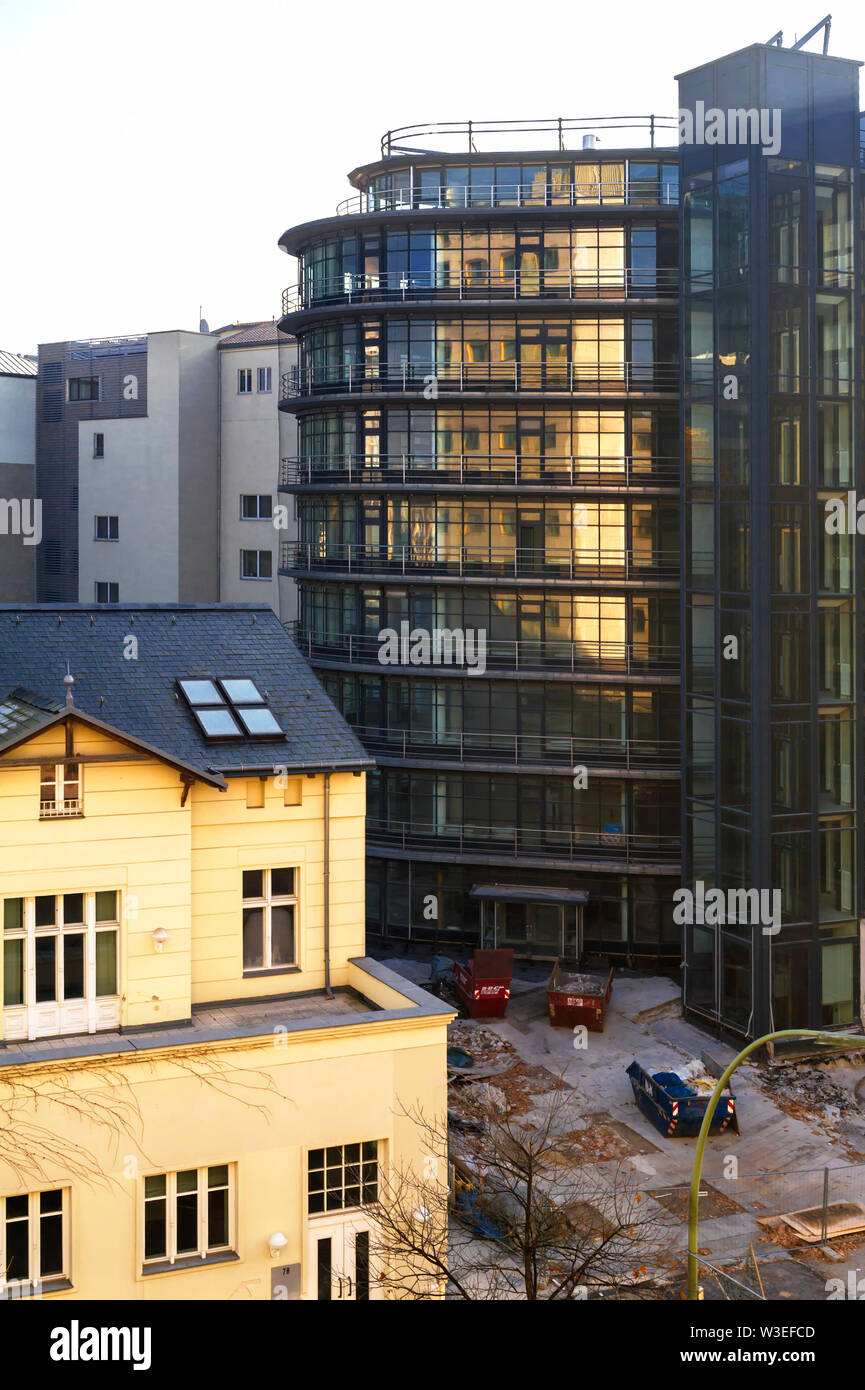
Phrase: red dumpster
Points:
(484, 986)
(577, 997)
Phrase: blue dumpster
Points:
(677, 1108)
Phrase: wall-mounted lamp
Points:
(159, 938)
(277, 1243)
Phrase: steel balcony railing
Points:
(610, 842)
(455, 470)
(403, 286)
(450, 197)
(554, 750)
(521, 561)
(429, 377)
(619, 658)
(630, 131)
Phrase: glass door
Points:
(340, 1262)
(530, 446)
(528, 262)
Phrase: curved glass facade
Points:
(488, 523)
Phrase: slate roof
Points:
(175, 642)
(13, 364)
(257, 335)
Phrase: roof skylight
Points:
(230, 709)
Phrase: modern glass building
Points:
(487, 486)
(772, 617)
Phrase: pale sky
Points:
(152, 153)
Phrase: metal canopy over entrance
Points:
(534, 921)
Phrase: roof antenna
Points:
(69, 681)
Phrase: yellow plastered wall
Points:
(228, 837)
(275, 1100)
(134, 837)
(180, 868)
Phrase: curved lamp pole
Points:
(833, 1039)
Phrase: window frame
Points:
(344, 1166)
(68, 806)
(35, 1280)
(266, 374)
(244, 375)
(266, 903)
(109, 519)
(76, 398)
(91, 929)
(98, 444)
(257, 577)
(173, 1258)
(109, 584)
(257, 498)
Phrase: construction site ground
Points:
(796, 1119)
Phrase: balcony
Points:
(513, 842)
(463, 561)
(427, 379)
(536, 750)
(534, 471)
(403, 287)
(619, 659)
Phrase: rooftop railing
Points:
(611, 842)
(549, 750)
(398, 286)
(456, 470)
(513, 562)
(450, 197)
(629, 130)
(429, 377)
(526, 655)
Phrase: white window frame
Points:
(258, 577)
(244, 381)
(172, 1255)
(32, 1285)
(61, 805)
(256, 497)
(88, 1013)
(268, 901)
(264, 374)
(109, 584)
(108, 519)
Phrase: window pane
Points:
(281, 883)
(242, 692)
(282, 935)
(253, 938)
(46, 912)
(106, 906)
(155, 1225)
(46, 969)
(187, 1220)
(13, 914)
(13, 972)
(17, 1239)
(217, 1218)
(50, 1244)
(253, 884)
(106, 962)
(73, 966)
(73, 909)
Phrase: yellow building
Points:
(203, 1079)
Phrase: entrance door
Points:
(532, 928)
(340, 1262)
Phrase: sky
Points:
(153, 153)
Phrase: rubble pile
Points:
(800, 1089)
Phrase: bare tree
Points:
(519, 1217)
